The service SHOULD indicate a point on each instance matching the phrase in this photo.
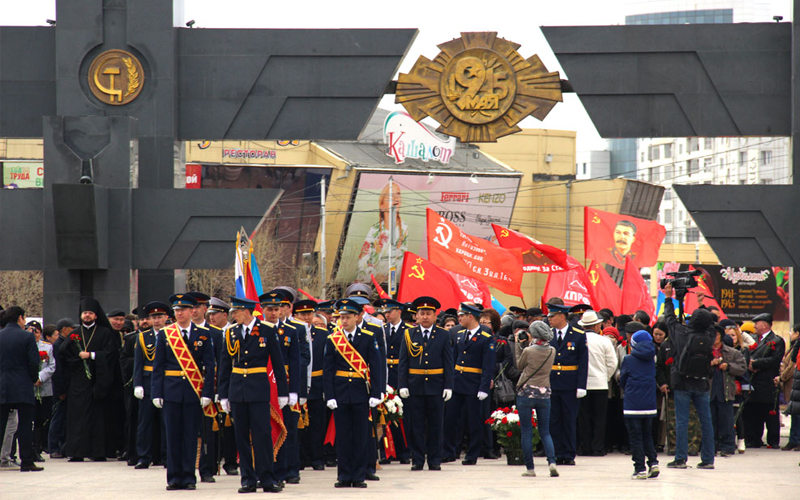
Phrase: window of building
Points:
(693, 166)
(667, 150)
(766, 181)
(655, 152)
(654, 174)
(742, 158)
(668, 171)
(708, 143)
(722, 163)
(668, 216)
(642, 155)
(766, 158)
(668, 238)
(584, 173)
(667, 194)
(680, 149)
(708, 164)
(692, 144)
(692, 235)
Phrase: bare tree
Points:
(24, 289)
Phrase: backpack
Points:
(695, 360)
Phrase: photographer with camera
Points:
(535, 358)
(690, 373)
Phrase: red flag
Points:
(381, 292)
(420, 277)
(330, 434)
(635, 294)
(690, 301)
(573, 286)
(606, 291)
(453, 249)
(536, 256)
(609, 238)
(307, 295)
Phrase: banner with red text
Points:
(536, 256)
(610, 238)
(573, 286)
(453, 249)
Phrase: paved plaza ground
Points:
(757, 474)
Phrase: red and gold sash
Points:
(188, 366)
(350, 354)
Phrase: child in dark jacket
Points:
(638, 379)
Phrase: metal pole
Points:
(322, 247)
(569, 186)
(391, 221)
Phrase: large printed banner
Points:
(20, 175)
(453, 249)
(420, 277)
(536, 256)
(472, 207)
(741, 292)
(610, 238)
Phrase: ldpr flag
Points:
(536, 256)
(457, 251)
(611, 238)
(420, 277)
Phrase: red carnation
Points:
(773, 412)
(43, 355)
(669, 361)
(515, 411)
(504, 421)
(391, 396)
(506, 410)
(519, 423)
(488, 421)
(509, 434)
(535, 425)
(753, 346)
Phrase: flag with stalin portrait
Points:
(610, 238)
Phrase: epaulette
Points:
(201, 327)
(578, 330)
(212, 327)
(373, 324)
(45, 342)
(409, 325)
(271, 325)
(286, 323)
(485, 334)
(367, 332)
(462, 330)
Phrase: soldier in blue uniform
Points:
(474, 364)
(208, 465)
(567, 382)
(149, 415)
(287, 466)
(244, 390)
(394, 331)
(351, 390)
(425, 378)
(173, 392)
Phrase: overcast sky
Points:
(437, 22)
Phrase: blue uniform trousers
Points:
(352, 424)
(424, 419)
(288, 460)
(182, 422)
(253, 420)
(208, 450)
(469, 406)
(372, 442)
(563, 422)
(317, 426)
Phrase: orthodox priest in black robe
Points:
(89, 355)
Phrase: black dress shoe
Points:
(38, 458)
(231, 470)
(331, 463)
(272, 488)
(469, 462)
(173, 487)
(405, 461)
(248, 489)
(190, 487)
(30, 468)
(385, 461)
(207, 479)
(76, 459)
(567, 461)
(293, 480)
(99, 459)
(132, 463)
(56, 454)
(416, 467)
(434, 467)
(490, 455)
(342, 484)
(360, 484)
(447, 460)
(142, 465)
(370, 477)
(318, 467)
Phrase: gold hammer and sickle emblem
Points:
(111, 90)
(419, 272)
(594, 277)
(596, 220)
(504, 233)
(116, 77)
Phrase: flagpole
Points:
(391, 223)
(322, 246)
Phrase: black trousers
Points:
(563, 419)
(592, 422)
(208, 465)
(24, 429)
(473, 409)
(182, 421)
(252, 424)
(425, 428)
(315, 432)
(756, 415)
(352, 425)
(288, 462)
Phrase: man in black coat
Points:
(765, 364)
(19, 369)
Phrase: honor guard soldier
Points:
(474, 370)
(183, 384)
(567, 382)
(244, 389)
(313, 436)
(208, 465)
(351, 360)
(394, 331)
(149, 415)
(326, 309)
(425, 378)
(287, 465)
(218, 316)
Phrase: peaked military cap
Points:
(272, 298)
(426, 303)
(387, 304)
(217, 305)
(348, 306)
(242, 303)
(307, 305)
(326, 306)
(469, 309)
(358, 289)
(156, 307)
(556, 309)
(182, 300)
(200, 297)
(290, 294)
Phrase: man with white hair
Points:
(602, 365)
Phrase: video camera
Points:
(681, 280)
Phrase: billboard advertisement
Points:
(20, 175)
(472, 206)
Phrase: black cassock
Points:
(87, 397)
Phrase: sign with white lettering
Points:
(406, 138)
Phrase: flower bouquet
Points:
(505, 422)
(391, 414)
(75, 337)
(43, 357)
(393, 405)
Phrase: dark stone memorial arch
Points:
(108, 205)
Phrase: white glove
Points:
(292, 398)
(332, 404)
(158, 403)
(403, 392)
(216, 398)
(373, 402)
(226, 405)
(581, 393)
(283, 401)
(138, 392)
(447, 394)
(205, 402)
(303, 401)
(482, 395)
